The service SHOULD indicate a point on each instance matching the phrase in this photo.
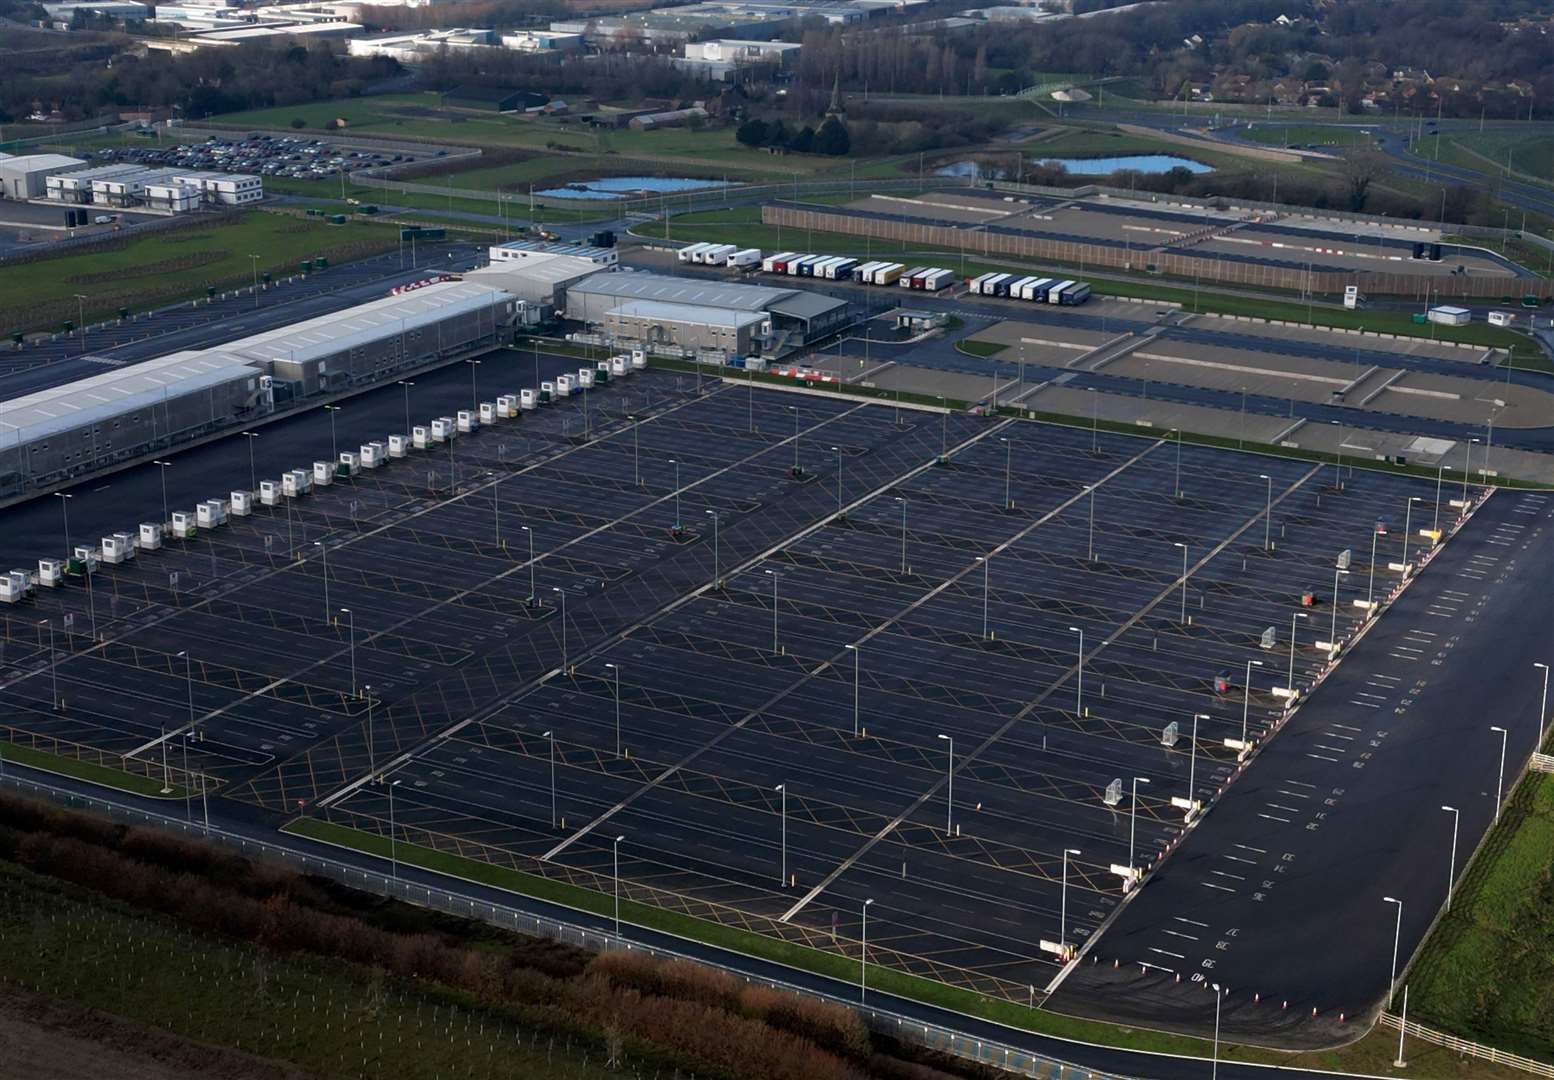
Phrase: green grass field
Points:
(1487, 972)
(101, 775)
(1530, 154)
(163, 267)
(1276, 134)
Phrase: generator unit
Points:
(150, 538)
(51, 572)
(468, 422)
(15, 587)
(547, 392)
(443, 429)
(350, 463)
(85, 561)
(398, 446)
(210, 514)
(242, 503)
(269, 493)
(296, 483)
(372, 455)
(528, 399)
(507, 406)
(421, 437)
(566, 386)
(184, 524)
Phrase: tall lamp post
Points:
(1184, 579)
(616, 668)
(949, 800)
(1397, 938)
(1246, 697)
(1543, 709)
(1500, 783)
(857, 667)
(863, 955)
(1293, 616)
(1451, 872)
(1079, 694)
(1267, 513)
(1133, 817)
(782, 815)
(616, 846)
(1063, 903)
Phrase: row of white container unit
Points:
(719, 255)
(844, 268)
(297, 483)
(1040, 290)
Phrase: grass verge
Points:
(1485, 972)
(972, 347)
(102, 775)
(159, 268)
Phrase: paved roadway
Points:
(1344, 809)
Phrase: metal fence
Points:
(1467, 1048)
(904, 1028)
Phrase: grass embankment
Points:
(1529, 155)
(1284, 135)
(159, 268)
(102, 775)
(1487, 971)
(972, 347)
(1371, 1055)
(739, 226)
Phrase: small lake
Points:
(628, 187)
(1143, 163)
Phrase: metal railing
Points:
(1466, 1047)
(901, 1027)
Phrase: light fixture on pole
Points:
(1246, 697)
(616, 847)
(324, 554)
(774, 575)
(551, 737)
(1293, 617)
(1133, 817)
(1500, 784)
(350, 622)
(1063, 903)
(949, 799)
(863, 955)
(1219, 997)
(782, 816)
(1397, 938)
(1184, 579)
(616, 668)
(1079, 693)
(1192, 757)
(1267, 513)
(559, 592)
(1451, 872)
(857, 666)
(1543, 709)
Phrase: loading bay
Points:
(809, 657)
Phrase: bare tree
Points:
(1361, 169)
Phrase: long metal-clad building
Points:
(803, 316)
(68, 431)
(120, 415)
(366, 344)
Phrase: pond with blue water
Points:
(1101, 166)
(629, 187)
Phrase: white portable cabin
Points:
(210, 514)
(323, 473)
(51, 572)
(118, 548)
(443, 429)
(547, 392)
(269, 495)
(467, 421)
(296, 483)
(620, 366)
(771, 262)
(398, 446)
(184, 525)
(373, 455)
(350, 462)
(745, 258)
(528, 398)
(487, 412)
(585, 379)
(690, 254)
(507, 406)
(242, 503)
(638, 359)
(935, 280)
(150, 538)
(88, 557)
(421, 437)
(566, 386)
(15, 586)
(1447, 315)
(1055, 294)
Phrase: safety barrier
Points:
(1466, 1048)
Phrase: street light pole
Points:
(1246, 697)
(407, 384)
(1192, 758)
(616, 847)
(1090, 548)
(1543, 710)
(1008, 451)
(782, 815)
(393, 840)
(616, 668)
(857, 666)
(351, 628)
(949, 801)
(1500, 784)
(1267, 513)
(1408, 520)
(1133, 817)
(1332, 632)
(1451, 873)
(1079, 693)
(1184, 580)
(987, 562)
(1219, 997)
(773, 575)
(863, 959)
(530, 531)
(253, 471)
(1063, 904)
(1397, 937)
(1293, 617)
(563, 596)
(551, 736)
(902, 501)
(717, 578)
(334, 445)
(320, 545)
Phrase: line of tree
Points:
(676, 1014)
(832, 137)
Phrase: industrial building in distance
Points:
(125, 186)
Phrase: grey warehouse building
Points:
(797, 317)
(689, 328)
(56, 435)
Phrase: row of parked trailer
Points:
(720, 255)
(18, 585)
(1040, 290)
(843, 268)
